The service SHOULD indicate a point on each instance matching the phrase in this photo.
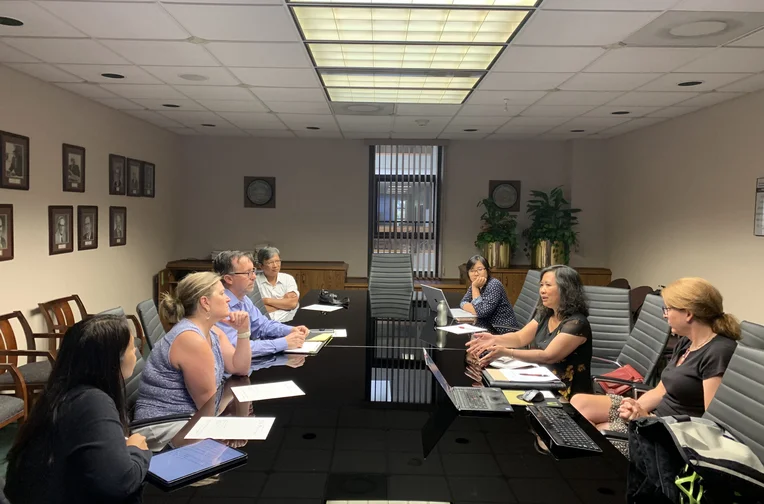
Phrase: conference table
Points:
(375, 426)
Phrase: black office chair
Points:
(610, 319)
(257, 300)
(526, 302)
(152, 326)
(753, 335)
(391, 286)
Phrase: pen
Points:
(531, 374)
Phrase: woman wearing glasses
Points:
(486, 297)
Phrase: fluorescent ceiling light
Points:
(362, 24)
(398, 80)
(397, 95)
(450, 57)
(479, 3)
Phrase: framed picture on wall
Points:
(60, 229)
(14, 153)
(117, 174)
(87, 227)
(73, 166)
(6, 232)
(505, 193)
(148, 180)
(117, 226)
(134, 177)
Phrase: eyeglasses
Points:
(272, 263)
(248, 273)
(477, 270)
(666, 310)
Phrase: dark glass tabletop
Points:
(375, 426)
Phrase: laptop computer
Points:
(470, 398)
(434, 296)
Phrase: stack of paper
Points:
(322, 308)
(263, 391)
(533, 375)
(231, 428)
(509, 363)
(462, 329)
(309, 347)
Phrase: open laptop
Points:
(470, 398)
(434, 296)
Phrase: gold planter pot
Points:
(497, 254)
(547, 253)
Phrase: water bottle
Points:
(441, 319)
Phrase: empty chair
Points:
(753, 335)
(636, 298)
(390, 304)
(59, 314)
(39, 362)
(610, 319)
(528, 298)
(257, 300)
(391, 272)
(620, 283)
(13, 407)
(152, 326)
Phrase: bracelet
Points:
(511, 353)
(244, 335)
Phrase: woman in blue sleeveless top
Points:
(186, 367)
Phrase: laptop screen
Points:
(436, 372)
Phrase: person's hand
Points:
(479, 282)
(480, 342)
(235, 443)
(494, 353)
(295, 361)
(239, 320)
(302, 330)
(137, 440)
(631, 409)
(295, 340)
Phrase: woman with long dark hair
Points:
(75, 446)
(559, 331)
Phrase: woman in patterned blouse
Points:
(560, 333)
(486, 297)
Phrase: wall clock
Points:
(259, 192)
(505, 193)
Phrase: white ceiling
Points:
(572, 65)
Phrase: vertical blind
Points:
(404, 204)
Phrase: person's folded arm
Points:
(263, 347)
(237, 357)
(286, 303)
(467, 298)
(264, 327)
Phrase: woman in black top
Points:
(73, 447)
(486, 296)
(559, 331)
(693, 308)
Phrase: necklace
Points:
(690, 349)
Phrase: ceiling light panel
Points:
(435, 25)
(453, 57)
(473, 3)
(398, 80)
(397, 95)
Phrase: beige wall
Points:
(588, 176)
(108, 276)
(681, 202)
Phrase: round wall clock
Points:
(260, 192)
(505, 195)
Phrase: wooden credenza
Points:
(514, 277)
(308, 274)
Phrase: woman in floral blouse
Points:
(487, 298)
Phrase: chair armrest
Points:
(45, 335)
(614, 435)
(606, 361)
(29, 353)
(601, 378)
(21, 385)
(159, 420)
(138, 329)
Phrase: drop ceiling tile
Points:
(747, 85)
(251, 105)
(370, 123)
(410, 109)
(67, 50)
(607, 111)
(651, 98)
(408, 124)
(589, 124)
(10, 55)
(183, 130)
(509, 129)
(461, 121)
(159, 91)
(37, 22)
(668, 112)
(556, 111)
(645, 59)
(154, 118)
(721, 5)
(608, 81)
(302, 121)
(728, 59)
(278, 77)
(216, 76)
(754, 40)
(485, 130)
(215, 92)
(546, 59)
(509, 137)
(271, 133)
(361, 135)
(44, 72)
(236, 23)
(269, 55)
(477, 135)
(411, 136)
(92, 73)
(119, 20)
(243, 2)
(608, 5)
(480, 97)
(633, 125)
(658, 33)
(165, 52)
(469, 109)
(670, 82)
(119, 103)
(282, 94)
(536, 122)
(521, 81)
(318, 134)
(195, 119)
(579, 97)
(157, 104)
(294, 107)
(221, 132)
(708, 99)
(87, 90)
(558, 28)
(253, 120)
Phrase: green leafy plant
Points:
(498, 225)
(552, 219)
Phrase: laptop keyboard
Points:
(471, 399)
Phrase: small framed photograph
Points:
(117, 226)
(117, 174)
(60, 229)
(14, 152)
(74, 168)
(134, 177)
(6, 232)
(148, 180)
(87, 227)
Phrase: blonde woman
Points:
(708, 337)
(186, 367)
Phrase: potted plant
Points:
(498, 235)
(551, 234)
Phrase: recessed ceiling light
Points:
(621, 112)
(698, 29)
(208, 125)
(312, 127)
(170, 105)
(194, 77)
(422, 122)
(578, 131)
(366, 95)
(470, 130)
(8, 21)
(109, 75)
(690, 83)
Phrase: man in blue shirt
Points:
(268, 337)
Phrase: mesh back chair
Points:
(257, 300)
(610, 319)
(391, 272)
(152, 326)
(753, 335)
(528, 298)
(390, 304)
(137, 330)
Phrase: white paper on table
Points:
(340, 333)
(321, 307)
(547, 394)
(462, 329)
(263, 391)
(307, 347)
(510, 363)
(231, 428)
(537, 374)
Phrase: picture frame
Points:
(6, 232)
(87, 227)
(506, 194)
(148, 177)
(117, 175)
(60, 229)
(117, 226)
(14, 154)
(259, 192)
(134, 175)
(73, 168)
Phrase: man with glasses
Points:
(237, 269)
(278, 290)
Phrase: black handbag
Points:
(328, 298)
